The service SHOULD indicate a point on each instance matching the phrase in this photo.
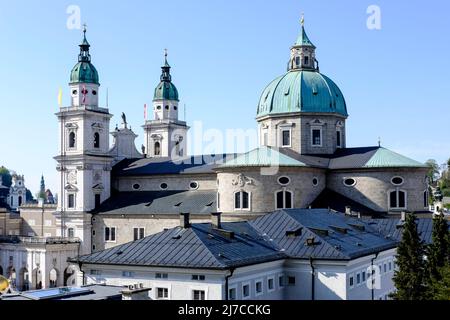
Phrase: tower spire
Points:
(165, 76)
(84, 48)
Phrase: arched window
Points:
(96, 140)
(177, 148)
(241, 200)
(397, 199)
(72, 139)
(284, 200)
(157, 148)
(53, 278)
(297, 61)
(20, 201)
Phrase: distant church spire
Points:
(42, 190)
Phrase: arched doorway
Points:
(37, 279)
(24, 280)
(53, 278)
(70, 276)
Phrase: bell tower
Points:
(84, 164)
(166, 135)
(303, 52)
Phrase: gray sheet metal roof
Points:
(262, 240)
(199, 246)
(165, 165)
(336, 244)
(160, 202)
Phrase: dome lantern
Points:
(84, 71)
(166, 90)
(303, 52)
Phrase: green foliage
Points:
(445, 192)
(6, 177)
(409, 277)
(440, 289)
(29, 196)
(438, 253)
(433, 170)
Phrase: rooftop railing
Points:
(38, 240)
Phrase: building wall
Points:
(262, 188)
(300, 126)
(38, 221)
(175, 182)
(373, 186)
(10, 224)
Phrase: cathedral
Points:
(110, 195)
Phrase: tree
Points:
(439, 250)
(6, 177)
(440, 289)
(409, 276)
(433, 170)
(29, 196)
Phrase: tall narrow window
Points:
(316, 137)
(338, 138)
(20, 201)
(198, 295)
(71, 201)
(70, 233)
(157, 149)
(177, 148)
(110, 234)
(97, 200)
(297, 61)
(96, 140)
(241, 200)
(306, 60)
(286, 138)
(283, 200)
(72, 139)
(138, 233)
(425, 199)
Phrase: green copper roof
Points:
(384, 158)
(303, 39)
(302, 91)
(84, 71)
(263, 157)
(166, 90)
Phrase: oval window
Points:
(397, 181)
(175, 108)
(163, 186)
(284, 181)
(349, 182)
(193, 185)
(94, 92)
(158, 107)
(74, 92)
(167, 107)
(136, 186)
(315, 182)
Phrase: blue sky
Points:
(223, 53)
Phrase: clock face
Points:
(72, 177)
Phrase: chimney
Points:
(216, 220)
(403, 217)
(184, 220)
(348, 210)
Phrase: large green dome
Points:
(84, 72)
(166, 91)
(302, 91)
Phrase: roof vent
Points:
(311, 241)
(216, 220)
(184, 220)
(294, 233)
(177, 237)
(357, 226)
(178, 204)
(322, 232)
(339, 229)
(225, 233)
(119, 253)
(209, 204)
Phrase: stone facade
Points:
(262, 188)
(174, 182)
(373, 186)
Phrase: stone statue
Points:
(143, 149)
(124, 119)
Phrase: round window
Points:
(163, 186)
(284, 180)
(167, 107)
(94, 92)
(397, 181)
(74, 92)
(315, 182)
(193, 185)
(349, 182)
(175, 108)
(136, 186)
(158, 107)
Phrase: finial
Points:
(379, 142)
(84, 28)
(302, 20)
(165, 53)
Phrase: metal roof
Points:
(322, 225)
(244, 243)
(159, 202)
(263, 157)
(303, 39)
(166, 165)
(199, 246)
